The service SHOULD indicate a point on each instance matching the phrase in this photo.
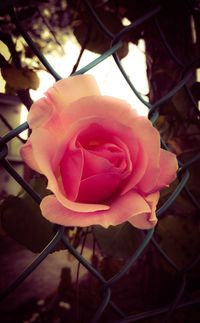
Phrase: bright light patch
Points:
(193, 30)
(125, 22)
(198, 74)
(107, 74)
(46, 81)
(23, 118)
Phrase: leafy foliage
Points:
(22, 220)
(27, 226)
(20, 78)
(119, 241)
(179, 237)
(91, 37)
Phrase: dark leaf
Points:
(97, 42)
(38, 184)
(181, 102)
(179, 237)
(3, 61)
(21, 218)
(110, 266)
(194, 169)
(119, 241)
(196, 90)
(179, 229)
(20, 78)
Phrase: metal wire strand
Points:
(99, 59)
(20, 181)
(132, 260)
(189, 163)
(10, 128)
(165, 256)
(13, 133)
(173, 91)
(155, 312)
(136, 24)
(166, 44)
(174, 195)
(32, 45)
(98, 21)
(177, 298)
(45, 252)
(82, 260)
(102, 306)
(138, 95)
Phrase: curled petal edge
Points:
(125, 208)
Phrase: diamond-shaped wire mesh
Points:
(183, 175)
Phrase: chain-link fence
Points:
(183, 176)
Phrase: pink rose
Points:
(103, 162)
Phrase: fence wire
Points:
(183, 176)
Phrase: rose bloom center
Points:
(95, 165)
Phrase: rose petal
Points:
(48, 158)
(99, 106)
(98, 187)
(112, 154)
(49, 118)
(94, 164)
(147, 220)
(149, 139)
(58, 97)
(79, 163)
(122, 209)
(39, 113)
(168, 169)
(71, 168)
(140, 159)
(71, 89)
(138, 136)
(105, 130)
(27, 155)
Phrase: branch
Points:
(86, 40)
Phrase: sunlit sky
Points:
(107, 74)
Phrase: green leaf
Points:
(119, 241)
